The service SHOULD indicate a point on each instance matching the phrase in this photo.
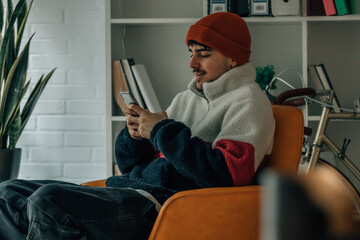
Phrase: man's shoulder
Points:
(249, 91)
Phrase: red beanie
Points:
(225, 32)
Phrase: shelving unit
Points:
(154, 35)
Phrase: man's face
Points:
(207, 64)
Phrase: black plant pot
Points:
(9, 163)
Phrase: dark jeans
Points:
(59, 210)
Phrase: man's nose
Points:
(194, 63)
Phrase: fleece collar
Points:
(230, 80)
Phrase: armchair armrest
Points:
(213, 213)
(96, 183)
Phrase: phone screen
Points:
(128, 98)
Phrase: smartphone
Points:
(128, 98)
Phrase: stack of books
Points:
(336, 7)
(130, 77)
(321, 80)
(332, 7)
(249, 8)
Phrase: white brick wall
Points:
(65, 137)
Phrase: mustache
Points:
(197, 70)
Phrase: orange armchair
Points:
(232, 212)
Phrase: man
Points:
(215, 134)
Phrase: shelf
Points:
(192, 20)
(285, 19)
(354, 17)
(118, 118)
(153, 20)
(289, 19)
(282, 19)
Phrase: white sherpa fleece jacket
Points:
(232, 110)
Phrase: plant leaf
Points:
(7, 36)
(22, 20)
(1, 16)
(10, 54)
(21, 16)
(33, 94)
(3, 141)
(14, 130)
(10, 9)
(13, 87)
(34, 97)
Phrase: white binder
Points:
(259, 7)
(146, 88)
(285, 7)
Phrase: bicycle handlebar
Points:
(282, 98)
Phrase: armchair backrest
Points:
(231, 213)
(288, 139)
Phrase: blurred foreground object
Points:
(313, 207)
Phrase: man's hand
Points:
(132, 126)
(141, 126)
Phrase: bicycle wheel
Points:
(346, 183)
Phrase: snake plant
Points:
(14, 64)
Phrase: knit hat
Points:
(226, 33)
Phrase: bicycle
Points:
(311, 154)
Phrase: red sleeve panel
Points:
(240, 158)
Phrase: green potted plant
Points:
(264, 75)
(13, 85)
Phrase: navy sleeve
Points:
(190, 156)
(130, 152)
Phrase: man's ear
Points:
(233, 63)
